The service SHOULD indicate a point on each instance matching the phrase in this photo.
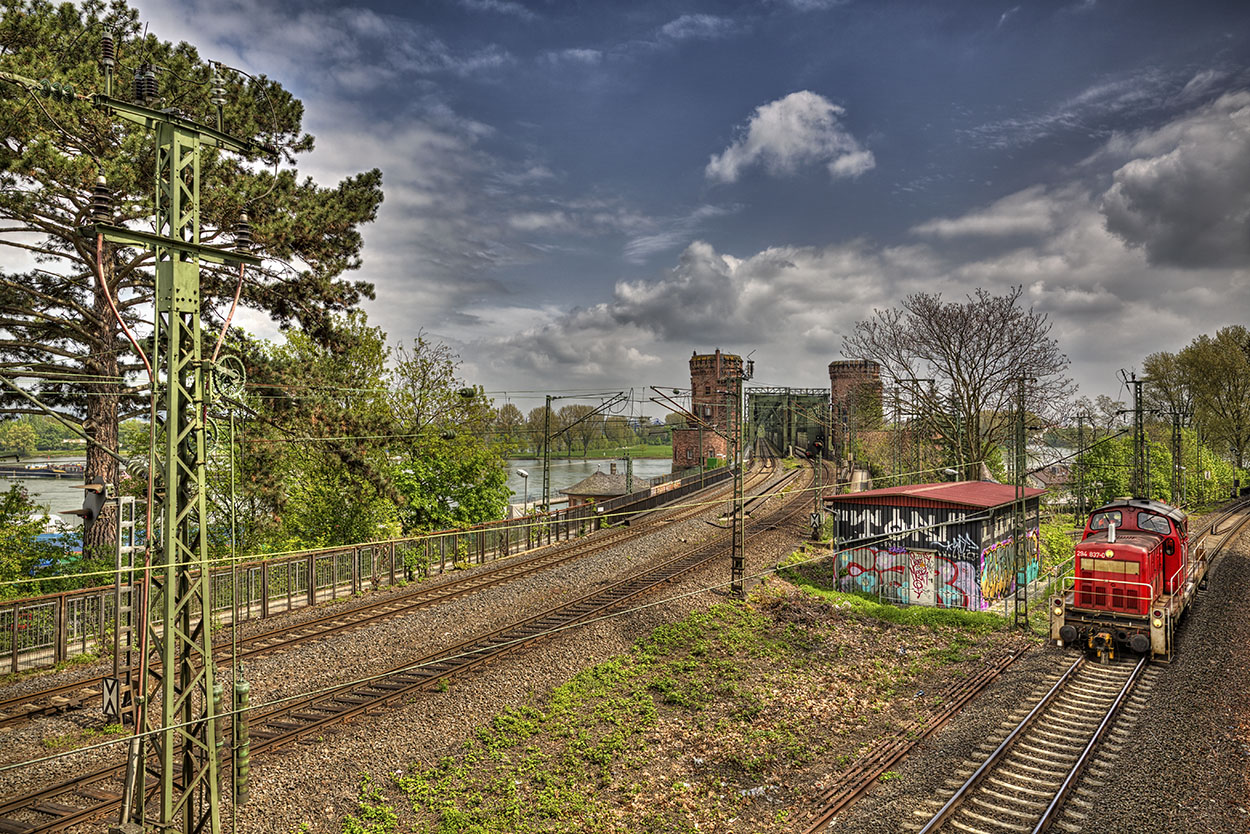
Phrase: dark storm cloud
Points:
(1185, 196)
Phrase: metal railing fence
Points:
(38, 632)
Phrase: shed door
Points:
(920, 577)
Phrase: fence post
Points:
(99, 631)
(264, 589)
(62, 631)
(312, 580)
(13, 639)
(355, 570)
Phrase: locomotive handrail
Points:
(1172, 578)
(1147, 595)
(1076, 579)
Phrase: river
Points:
(565, 473)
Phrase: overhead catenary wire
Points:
(529, 523)
(325, 690)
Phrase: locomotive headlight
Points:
(1157, 623)
(1058, 610)
(1110, 553)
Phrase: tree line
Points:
(31, 434)
(955, 375)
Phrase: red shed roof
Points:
(981, 494)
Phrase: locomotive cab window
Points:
(1101, 520)
(1111, 566)
(1153, 523)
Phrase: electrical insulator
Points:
(149, 84)
(218, 96)
(108, 50)
(101, 201)
(243, 234)
(55, 90)
(242, 747)
(145, 86)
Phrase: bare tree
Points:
(957, 364)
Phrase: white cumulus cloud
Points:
(792, 132)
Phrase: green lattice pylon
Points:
(185, 736)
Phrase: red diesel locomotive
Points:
(1134, 576)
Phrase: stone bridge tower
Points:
(711, 376)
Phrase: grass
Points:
(82, 738)
(569, 762)
(692, 727)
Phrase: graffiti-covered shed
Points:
(949, 545)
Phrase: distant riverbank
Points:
(565, 472)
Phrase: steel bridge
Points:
(789, 417)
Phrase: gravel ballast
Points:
(1183, 766)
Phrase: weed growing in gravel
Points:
(82, 738)
(373, 815)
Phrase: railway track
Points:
(91, 796)
(1002, 800)
(1024, 781)
(80, 693)
(863, 773)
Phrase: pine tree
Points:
(58, 334)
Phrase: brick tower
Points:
(856, 389)
(711, 376)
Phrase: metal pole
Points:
(1020, 533)
(739, 516)
(1138, 487)
(1080, 465)
(547, 455)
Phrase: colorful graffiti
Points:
(998, 569)
(955, 574)
(916, 577)
(920, 567)
(957, 585)
(873, 570)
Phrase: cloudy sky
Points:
(580, 194)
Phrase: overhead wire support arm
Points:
(151, 118)
(60, 417)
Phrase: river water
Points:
(565, 473)
(53, 494)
